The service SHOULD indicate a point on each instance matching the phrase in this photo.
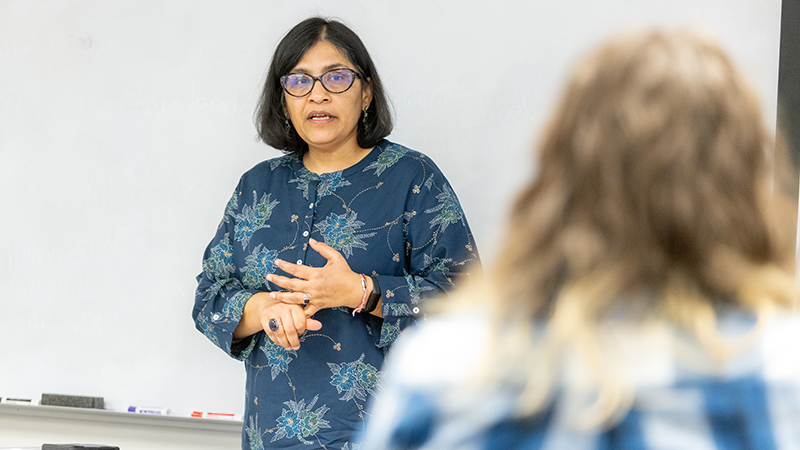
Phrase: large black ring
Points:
(274, 324)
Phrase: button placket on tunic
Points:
(308, 222)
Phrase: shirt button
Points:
(216, 317)
(299, 261)
(311, 206)
(305, 233)
(415, 310)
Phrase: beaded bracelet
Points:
(364, 298)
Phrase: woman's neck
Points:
(327, 161)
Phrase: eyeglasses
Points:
(336, 81)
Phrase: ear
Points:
(366, 93)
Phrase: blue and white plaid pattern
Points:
(753, 404)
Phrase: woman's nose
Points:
(318, 93)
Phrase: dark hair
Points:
(269, 116)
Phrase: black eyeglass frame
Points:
(319, 78)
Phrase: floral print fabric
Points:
(393, 215)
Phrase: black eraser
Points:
(74, 401)
(77, 447)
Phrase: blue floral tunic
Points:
(393, 215)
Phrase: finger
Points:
(297, 270)
(290, 336)
(299, 319)
(310, 310)
(313, 325)
(277, 336)
(292, 333)
(290, 298)
(292, 284)
(325, 250)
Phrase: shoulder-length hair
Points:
(270, 118)
(656, 198)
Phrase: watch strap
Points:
(374, 296)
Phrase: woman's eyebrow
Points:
(325, 69)
(334, 67)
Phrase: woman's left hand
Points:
(330, 286)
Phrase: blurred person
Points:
(644, 295)
(325, 254)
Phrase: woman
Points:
(644, 295)
(325, 254)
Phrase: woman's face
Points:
(327, 121)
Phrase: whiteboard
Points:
(126, 125)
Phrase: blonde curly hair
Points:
(658, 199)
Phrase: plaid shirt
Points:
(753, 403)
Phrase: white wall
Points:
(126, 124)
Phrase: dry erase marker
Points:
(152, 410)
(19, 401)
(212, 415)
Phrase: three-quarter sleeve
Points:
(439, 251)
(220, 296)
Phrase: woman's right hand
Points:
(291, 319)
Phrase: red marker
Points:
(213, 415)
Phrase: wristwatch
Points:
(374, 296)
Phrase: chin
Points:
(319, 141)
(324, 139)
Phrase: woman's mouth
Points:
(320, 116)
